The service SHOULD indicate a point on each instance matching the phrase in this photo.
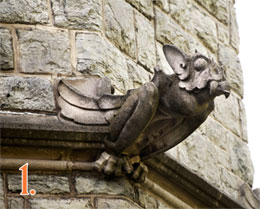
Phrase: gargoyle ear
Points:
(177, 61)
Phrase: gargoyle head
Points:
(197, 72)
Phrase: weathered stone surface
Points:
(26, 94)
(234, 35)
(15, 203)
(2, 204)
(137, 74)
(162, 205)
(192, 19)
(223, 34)
(6, 49)
(163, 4)
(144, 6)
(227, 112)
(41, 183)
(230, 183)
(200, 155)
(145, 41)
(99, 57)
(78, 14)
(243, 120)
(216, 133)
(74, 203)
(98, 185)
(217, 8)
(168, 32)
(146, 200)
(44, 51)
(233, 70)
(241, 163)
(23, 11)
(115, 204)
(119, 25)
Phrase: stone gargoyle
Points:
(151, 119)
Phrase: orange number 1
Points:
(24, 170)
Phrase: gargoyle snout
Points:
(219, 88)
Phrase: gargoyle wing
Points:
(88, 101)
(169, 136)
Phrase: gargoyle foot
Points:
(140, 170)
(110, 164)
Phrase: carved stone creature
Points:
(151, 119)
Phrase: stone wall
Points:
(42, 41)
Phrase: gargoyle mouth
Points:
(219, 88)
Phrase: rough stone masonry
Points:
(43, 40)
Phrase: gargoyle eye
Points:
(200, 64)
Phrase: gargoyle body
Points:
(155, 117)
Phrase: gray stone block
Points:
(227, 112)
(44, 184)
(71, 203)
(6, 50)
(234, 33)
(145, 41)
(219, 8)
(144, 6)
(195, 21)
(15, 203)
(137, 74)
(233, 69)
(200, 155)
(98, 57)
(23, 11)
(119, 25)
(44, 52)
(78, 14)
(115, 204)
(22, 93)
(168, 32)
(98, 185)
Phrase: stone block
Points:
(200, 155)
(71, 203)
(234, 30)
(195, 21)
(137, 74)
(115, 204)
(24, 11)
(233, 69)
(78, 14)
(145, 41)
(218, 8)
(216, 132)
(147, 200)
(223, 34)
(243, 121)
(15, 203)
(163, 4)
(98, 57)
(98, 185)
(241, 163)
(144, 6)
(227, 112)
(44, 184)
(6, 49)
(120, 31)
(230, 183)
(44, 51)
(169, 32)
(24, 93)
